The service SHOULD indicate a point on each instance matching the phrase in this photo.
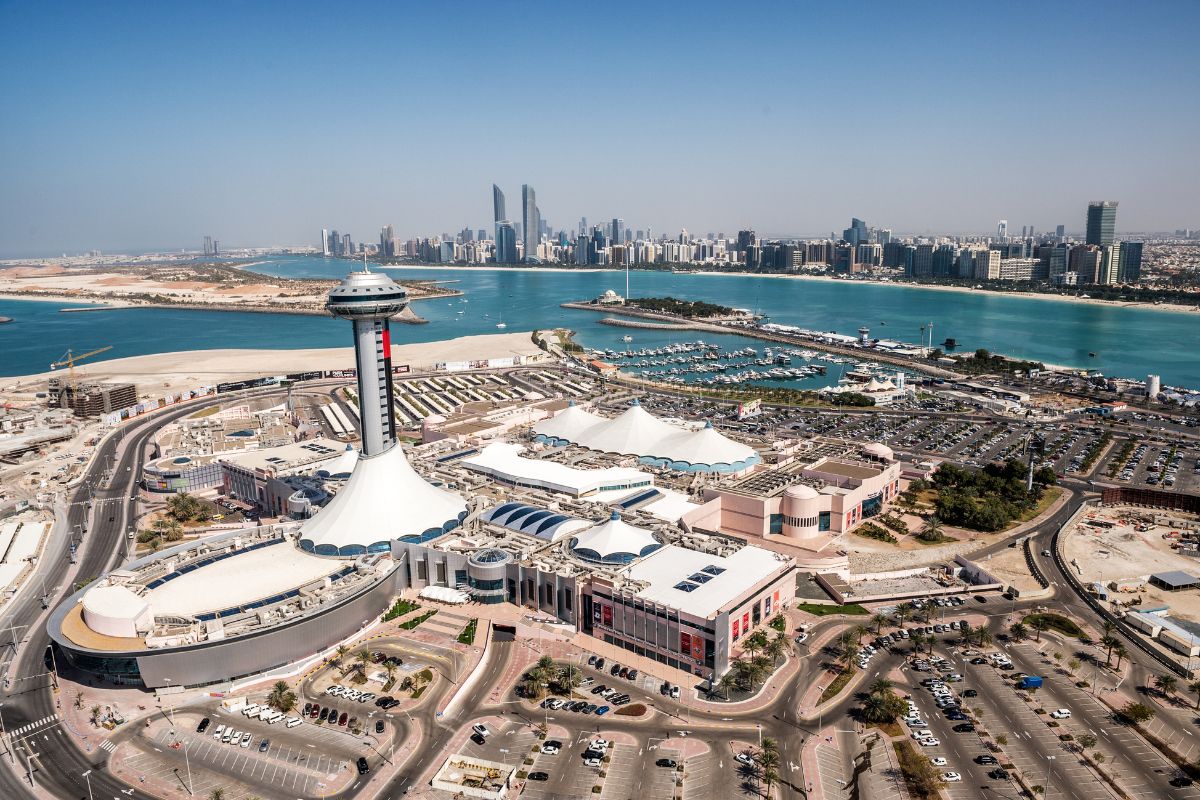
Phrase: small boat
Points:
(1091, 355)
(501, 325)
(626, 338)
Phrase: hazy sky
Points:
(127, 126)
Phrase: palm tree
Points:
(1194, 686)
(727, 683)
(216, 794)
(1121, 653)
(1109, 641)
(1018, 631)
(880, 685)
(859, 632)
(768, 760)
(779, 646)
(984, 636)
(917, 640)
(755, 642)
(903, 614)
(931, 531)
(966, 630)
(879, 620)
(361, 659)
(1165, 684)
(339, 654)
(1039, 624)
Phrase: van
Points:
(217, 733)
(229, 732)
(273, 717)
(251, 711)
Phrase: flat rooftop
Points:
(858, 472)
(702, 584)
(287, 457)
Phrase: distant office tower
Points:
(369, 299)
(325, 242)
(480, 235)
(387, 241)
(856, 233)
(208, 248)
(1131, 263)
(945, 260)
(529, 221)
(923, 260)
(987, 265)
(745, 240)
(1059, 259)
(885, 236)
(506, 242)
(498, 213)
(1060, 234)
(583, 228)
(216, 247)
(1002, 230)
(1024, 231)
(1084, 261)
(618, 230)
(347, 245)
(1101, 223)
(1110, 264)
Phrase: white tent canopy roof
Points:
(614, 541)
(343, 464)
(637, 432)
(384, 499)
(444, 594)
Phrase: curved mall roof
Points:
(533, 521)
(614, 542)
(384, 499)
(637, 432)
(342, 466)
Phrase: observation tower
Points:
(369, 299)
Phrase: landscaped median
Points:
(824, 610)
(837, 684)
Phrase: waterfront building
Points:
(1110, 264)
(1131, 262)
(856, 233)
(325, 242)
(530, 221)
(987, 265)
(1085, 260)
(506, 243)
(1101, 223)
(1021, 269)
(945, 259)
(922, 265)
(1058, 259)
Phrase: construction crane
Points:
(69, 360)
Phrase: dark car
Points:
(343, 718)
(965, 727)
(599, 663)
(998, 774)
(970, 693)
(956, 716)
(324, 714)
(978, 660)
(477, 739)
(1181, 781)
(669, 763)
(599, 689)
(307, 709)
(379, 726)
(203, 726)
(616, 668)
(980, 598)
(384, 701)
(623, 672)
(363, 766)
(589, 708)
(632, 675)
(986, 760)
(539, 776)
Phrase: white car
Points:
(592, 762)
(551, 749)
(246, 737)
(916, 723)
(481, 730)
(333, 690)
(801, 637)
(294, 721)
(250, 711)
(744, 758)
(939, 761)
(922, 734)
(951, 777)
(599, 745)
(930, 741)
(1061, 713)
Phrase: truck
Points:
(1030, 682)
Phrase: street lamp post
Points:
(3, 733)
(87, 777)
(1049, 767)
(187, 762)
(820, 711)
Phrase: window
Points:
(823, 521)
(776, 524)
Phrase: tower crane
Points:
(69, 360)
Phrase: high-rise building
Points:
(1110, 265)
(1084, 261)
(369, 299)
(1101, 223)
(498, 213)
(1002, 230)
(530, 221)
(1131, 263)
(347, 245)
(745, 240)
(216, 247)
(1060, 234)
(208, 247)
(856, 233)
(987, 265)
(923, 260)
(325, 242)
(387, 241)
(506, 242)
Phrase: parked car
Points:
(363, 766)
(343, 719)
(1061, 713)
(668, 763)
(539, 776)
(379, 726)
(264, 745)
(481, 730)
(552, 747)
(203, 726)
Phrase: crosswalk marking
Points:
(108, 746)
(32, 725)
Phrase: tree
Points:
(339, 654)
(727, 683)
(1109, 642)
(917, 641)
(903, 614)
(1121, 653)
(880, 685)
(1018, 631)
(779, 646)
(1086, 741)
(216, 794)
(883, 706)
(859, 632)
(983, 637)
(768, 761)
(931, 531)
(1039, 624)
(982, 355)
(755, 642)
(1137, 713)
(1073, 665)
(1165, 684)
(1194, 686)
(879, 620)
(281, 698)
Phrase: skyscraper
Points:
(1002, 230)
(1060, 234)
(325, 242)
(1101, 222)
(208, 247)
(856, 233)
(1131, 262)
(498, 204)
(506, 242)
(618, 230)
(369, 299)
(529, 221)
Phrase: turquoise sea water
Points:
(1128, 342)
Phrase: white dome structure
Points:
(655, 442)
(384, 499)
(614, 542)
(342, 466)
(116, 611)
(880, 451)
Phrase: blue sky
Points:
(149, 125)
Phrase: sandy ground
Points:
(161, 372)
(1008, 566)
(1123, 553)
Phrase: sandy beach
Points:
(166, 372)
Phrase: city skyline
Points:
(147, 137)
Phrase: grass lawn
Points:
(1048, 497)
(942, 539)
(819, 610)
(1056, 622)
(836, 686)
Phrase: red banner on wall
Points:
(698, 649)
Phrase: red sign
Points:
(608, 615)
(698, 649)
(737, 629)
(685, 642)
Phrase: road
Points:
(50, 757)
